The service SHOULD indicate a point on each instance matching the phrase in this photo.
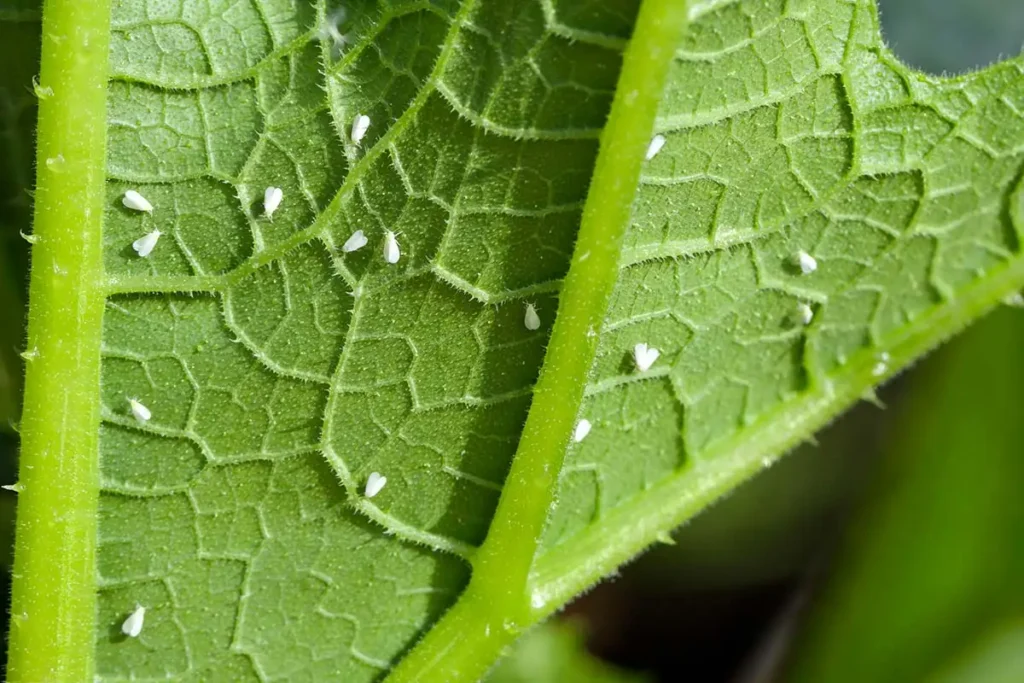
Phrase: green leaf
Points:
(932, 569)
(998, 657)
(555, 653)
(282, 371)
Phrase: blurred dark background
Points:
(892, 549)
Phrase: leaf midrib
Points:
(571, 567)
(563, 572)
(498, 604)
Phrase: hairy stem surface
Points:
(54, 588)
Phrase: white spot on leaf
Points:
(272, 197)
(136, 202)
(807, 263)
(391, 250)
(1015, 300)
(132, 626)
(581, 431)
(139, 411)
(331, 31)
(657, 142)
(355, 242)
(645, 356)
(531, 320)
(359, 127)
(881, 366)
(145, 244)
(374, 483)
(804, 313)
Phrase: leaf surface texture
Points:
(281, 371)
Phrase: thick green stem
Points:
(496, 606)
(54, 589)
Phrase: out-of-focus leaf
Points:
(555, 653)
(768, 528)
(19, 57)
(939, 554)
(998, 657)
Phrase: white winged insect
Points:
(581, 431)
(531, 320)
(807, 263)
(145, 244)
(136, 202)
(140, 412)
(655, 145)
(644, 356)
(354, 243)
(392, 252)
(804, 313)
(132, 626)
(374, 483)
(359, 127)
(272, 198)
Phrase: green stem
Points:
(54, 587)
(496, 606)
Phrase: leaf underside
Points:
(282, 371)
